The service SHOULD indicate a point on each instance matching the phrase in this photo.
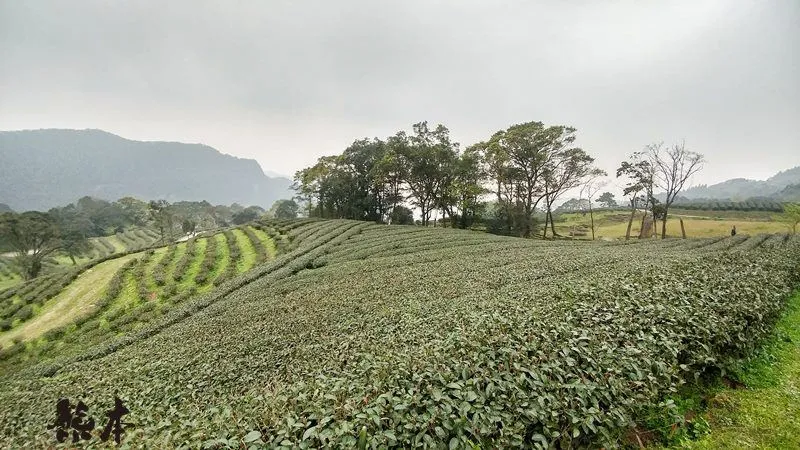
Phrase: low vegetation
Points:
(507, 343)
(761, 410)
(151, 278)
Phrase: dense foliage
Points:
(526, 165)
(424, 336)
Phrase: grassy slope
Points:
(68, 305)
(221, 262)
(8, 282)
(194, 267)
(119, 246)
(248, 258)
(268, 244)
(767, 413)
(149, 281)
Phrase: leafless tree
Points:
(591, 187)
(673, 166)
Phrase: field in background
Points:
(698, 224)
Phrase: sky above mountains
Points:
(286, 82)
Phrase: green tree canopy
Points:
(284, 209)
(606, 200)
(33, 235)
(791, 215)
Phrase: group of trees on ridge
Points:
(33, 235)
(523, 169)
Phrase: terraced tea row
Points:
(100, 248)
(425, 337)
(146, 286)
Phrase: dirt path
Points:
(75, 300)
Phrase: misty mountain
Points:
(40, 169)
(782, 186)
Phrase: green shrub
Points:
(185, 261)
(208, 263)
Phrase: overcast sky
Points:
(285, 82)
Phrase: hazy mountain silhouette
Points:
(40, 169)
(781, 186)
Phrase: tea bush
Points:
(437, 338)
(183, 264)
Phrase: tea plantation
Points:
(418, 336)
(147, 285)
(101, 248)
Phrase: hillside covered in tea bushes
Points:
(420, 336)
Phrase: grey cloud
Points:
(286, 81)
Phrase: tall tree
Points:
(135, 211)
(462, 199)
(162, 215)
(590, 188)
(429, 157)
(389, 173)
(313, 184)
(504, 179)
(518, 158)
(75, 228)
(673, 166)
(639, 189)
(33, 235)
(791, 215)
(567, 170)
(284, 209)
(607, 200)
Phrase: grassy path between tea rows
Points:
(70, 303)
(766, 413)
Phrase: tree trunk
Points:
(591, 217)
(683, 230)
(664, 227)
(644, 217)
(655, 227)
(72, 257)
(546, 219)
(630, 223)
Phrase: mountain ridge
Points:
(40, 169)
(779, 187)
